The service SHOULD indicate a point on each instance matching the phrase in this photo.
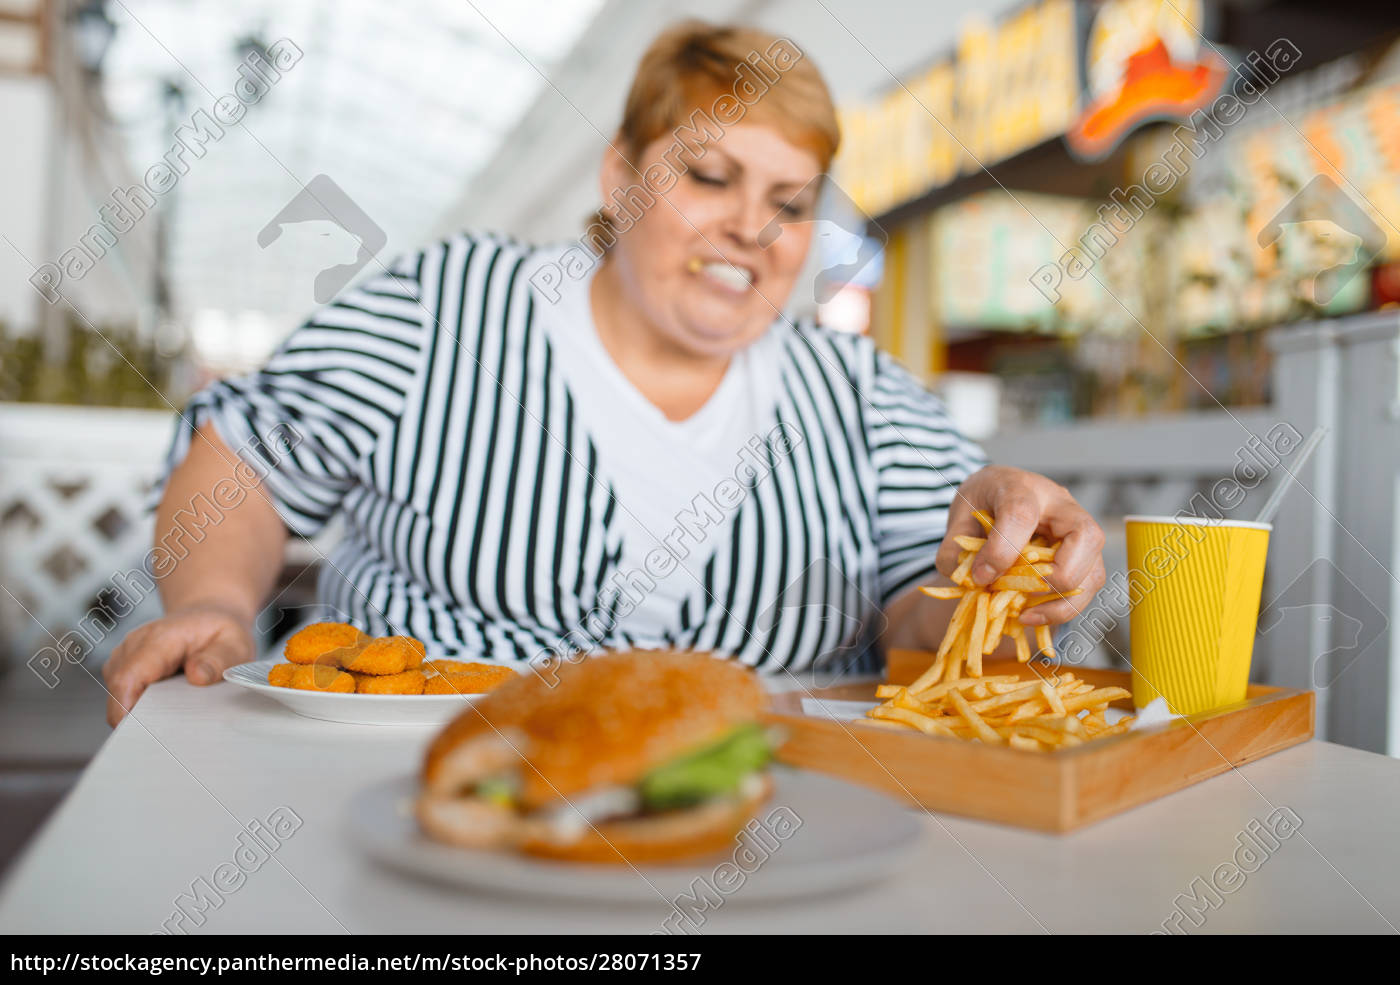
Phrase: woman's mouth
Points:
(733, 278)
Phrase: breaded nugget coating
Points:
(445, 666)
(409, 682)
(317, 677)
(386, 655)
(492, 674)
(477, 679)
(281, 675)
(306, 645)
(449, 684)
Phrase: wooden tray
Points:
(1047, 791)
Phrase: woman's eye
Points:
(793, 211)
(706, 179)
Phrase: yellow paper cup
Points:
(1194, 585)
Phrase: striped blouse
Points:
(433, 414)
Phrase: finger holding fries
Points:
(1024, 505)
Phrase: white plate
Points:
(353, 709)
(847, 836)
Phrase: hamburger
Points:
(629, 757)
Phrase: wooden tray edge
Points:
(1297, 708)
(1060, 780)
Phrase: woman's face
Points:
(692, 265)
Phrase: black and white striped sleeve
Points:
(307, 422)
(920, 459)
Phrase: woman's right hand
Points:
(203, 639)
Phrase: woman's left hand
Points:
(1023, 504)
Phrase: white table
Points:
(162, 805)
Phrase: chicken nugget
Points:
(386, 655)
(409, 682)
(318, 677)
(307, 645)
(445, 666)
(451, 684)
(492, 674)
(477, 679)
(281, 675)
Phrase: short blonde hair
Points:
(692, 64)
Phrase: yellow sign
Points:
(1012, 85)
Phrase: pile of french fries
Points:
(952, 697)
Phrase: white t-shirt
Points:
(657, 466)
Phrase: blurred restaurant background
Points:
(1128, 241)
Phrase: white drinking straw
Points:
(1266, 515)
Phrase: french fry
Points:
(984, 731)
(961, 619)
(1030, 708)
(994, 628)
(984, 519)
(1023, 693)
(978, 635)
(1020, 583)
(1052, 698)
(969, 543)
(932, 675)
(1053, 597)
(1023, 646)
(1058, 723)
(1048, 736)
(1043, 641)
(1004, 688)
(1028, 570)
(1102, 696)
(936, 691)
(956, 657)
(951, 592)
(908, 702)
(921, 722)
(935, 671)
(962, 573)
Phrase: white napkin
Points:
(842, 711)
(1155, 712)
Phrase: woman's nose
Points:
(746, 219)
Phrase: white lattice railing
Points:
(73, 484)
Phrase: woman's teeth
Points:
(734, 278)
